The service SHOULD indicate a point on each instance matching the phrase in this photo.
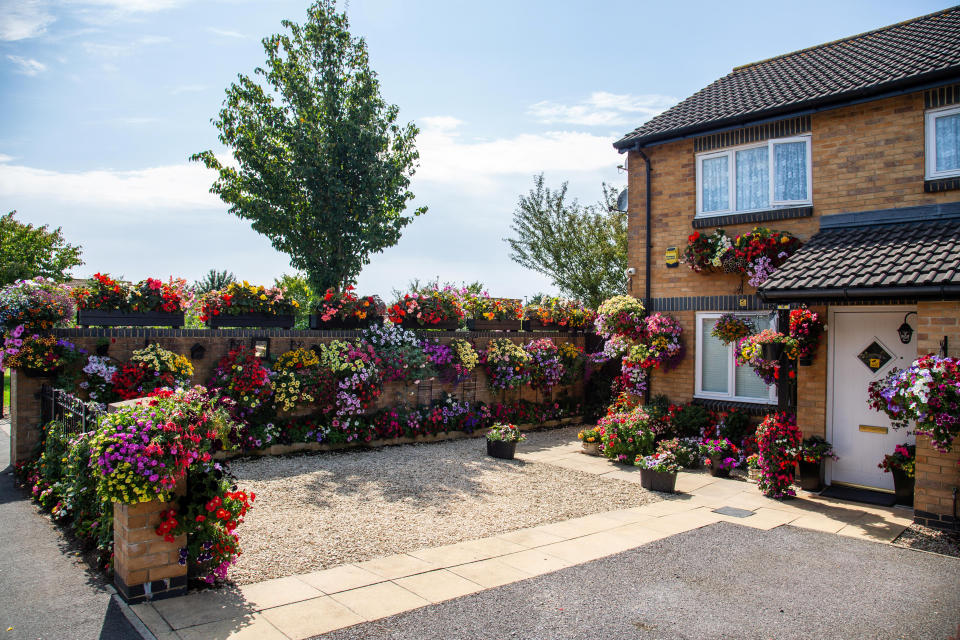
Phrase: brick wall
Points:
(938, 474)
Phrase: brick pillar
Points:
(145, 566)
(938, 474)
(812, 390)
(24, 415)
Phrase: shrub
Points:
(689, 420)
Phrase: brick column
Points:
(24, 415)
(145, 566)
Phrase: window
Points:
(754, 177)
(718, 376)
(943, 143)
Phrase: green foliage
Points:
(298, 288)
(213, 281)
(690, 420)
(27, 252)
(323, 168)
(582, 249)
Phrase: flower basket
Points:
(658, 481)
(536, 324)
(810, 475)
(591, 448)
(317, 323)
(501, 449)
(98, 318)
(443, 325)
(483, 324)
(771, 350)
(903, 487)
(259, 320)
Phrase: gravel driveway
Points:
(313, 512)
(720, 581)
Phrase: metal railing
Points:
(76, 415)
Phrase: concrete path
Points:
(719, 581)
(311, 604)
(46, 590)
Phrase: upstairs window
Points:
(755, 177)
(943, 143)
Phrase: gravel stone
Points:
(720, 581)
(926, 539)
(318, 511)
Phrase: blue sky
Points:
(103, 101)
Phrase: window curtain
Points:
(753, 179)
(790, 171)
(948, 142)
(715, 184)
(714, 361)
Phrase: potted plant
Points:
(812, 452)
(493, 314)
(346, 310)
(429, 308)
(591, 441)
(806, 327)
(658, 472)
(902, 464)
(149, 303)
(730, 327)
(778, 440)
(753, 467)
(502, 440)
(247, 305)
(720, 456)
(686, 451)
(559, 314)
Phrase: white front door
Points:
(865, 346)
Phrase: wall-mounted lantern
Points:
(197, 351)
(905, 330)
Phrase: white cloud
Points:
(5, 158)
(226, 33)
(22, 19)
(122, 49)
(603, 109)
(128, 6)
(445, 157)
(27, 66)
(176, 187)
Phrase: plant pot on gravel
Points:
(502, 440)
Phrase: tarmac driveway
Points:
(719, 581)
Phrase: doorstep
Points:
(302, 606)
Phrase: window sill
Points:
(752, 217)
(758, 408)
(941, 184)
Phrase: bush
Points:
(735, 425)
(624, 436)
(689, 421)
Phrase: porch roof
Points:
(912, 252)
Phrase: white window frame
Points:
(930, 150)
(732, 363)
(731, 153)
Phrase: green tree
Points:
(298, 288)
(322, 167)
(213, 281)
(581, 248)
(27, 252)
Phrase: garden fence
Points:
(76, 415)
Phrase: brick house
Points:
(854, 147)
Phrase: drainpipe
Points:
(649, 245)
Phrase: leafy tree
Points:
(213, 281)
(298, 288)
(581, 248)
(322, 167)
(27, 252)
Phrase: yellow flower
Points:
(263, 297)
